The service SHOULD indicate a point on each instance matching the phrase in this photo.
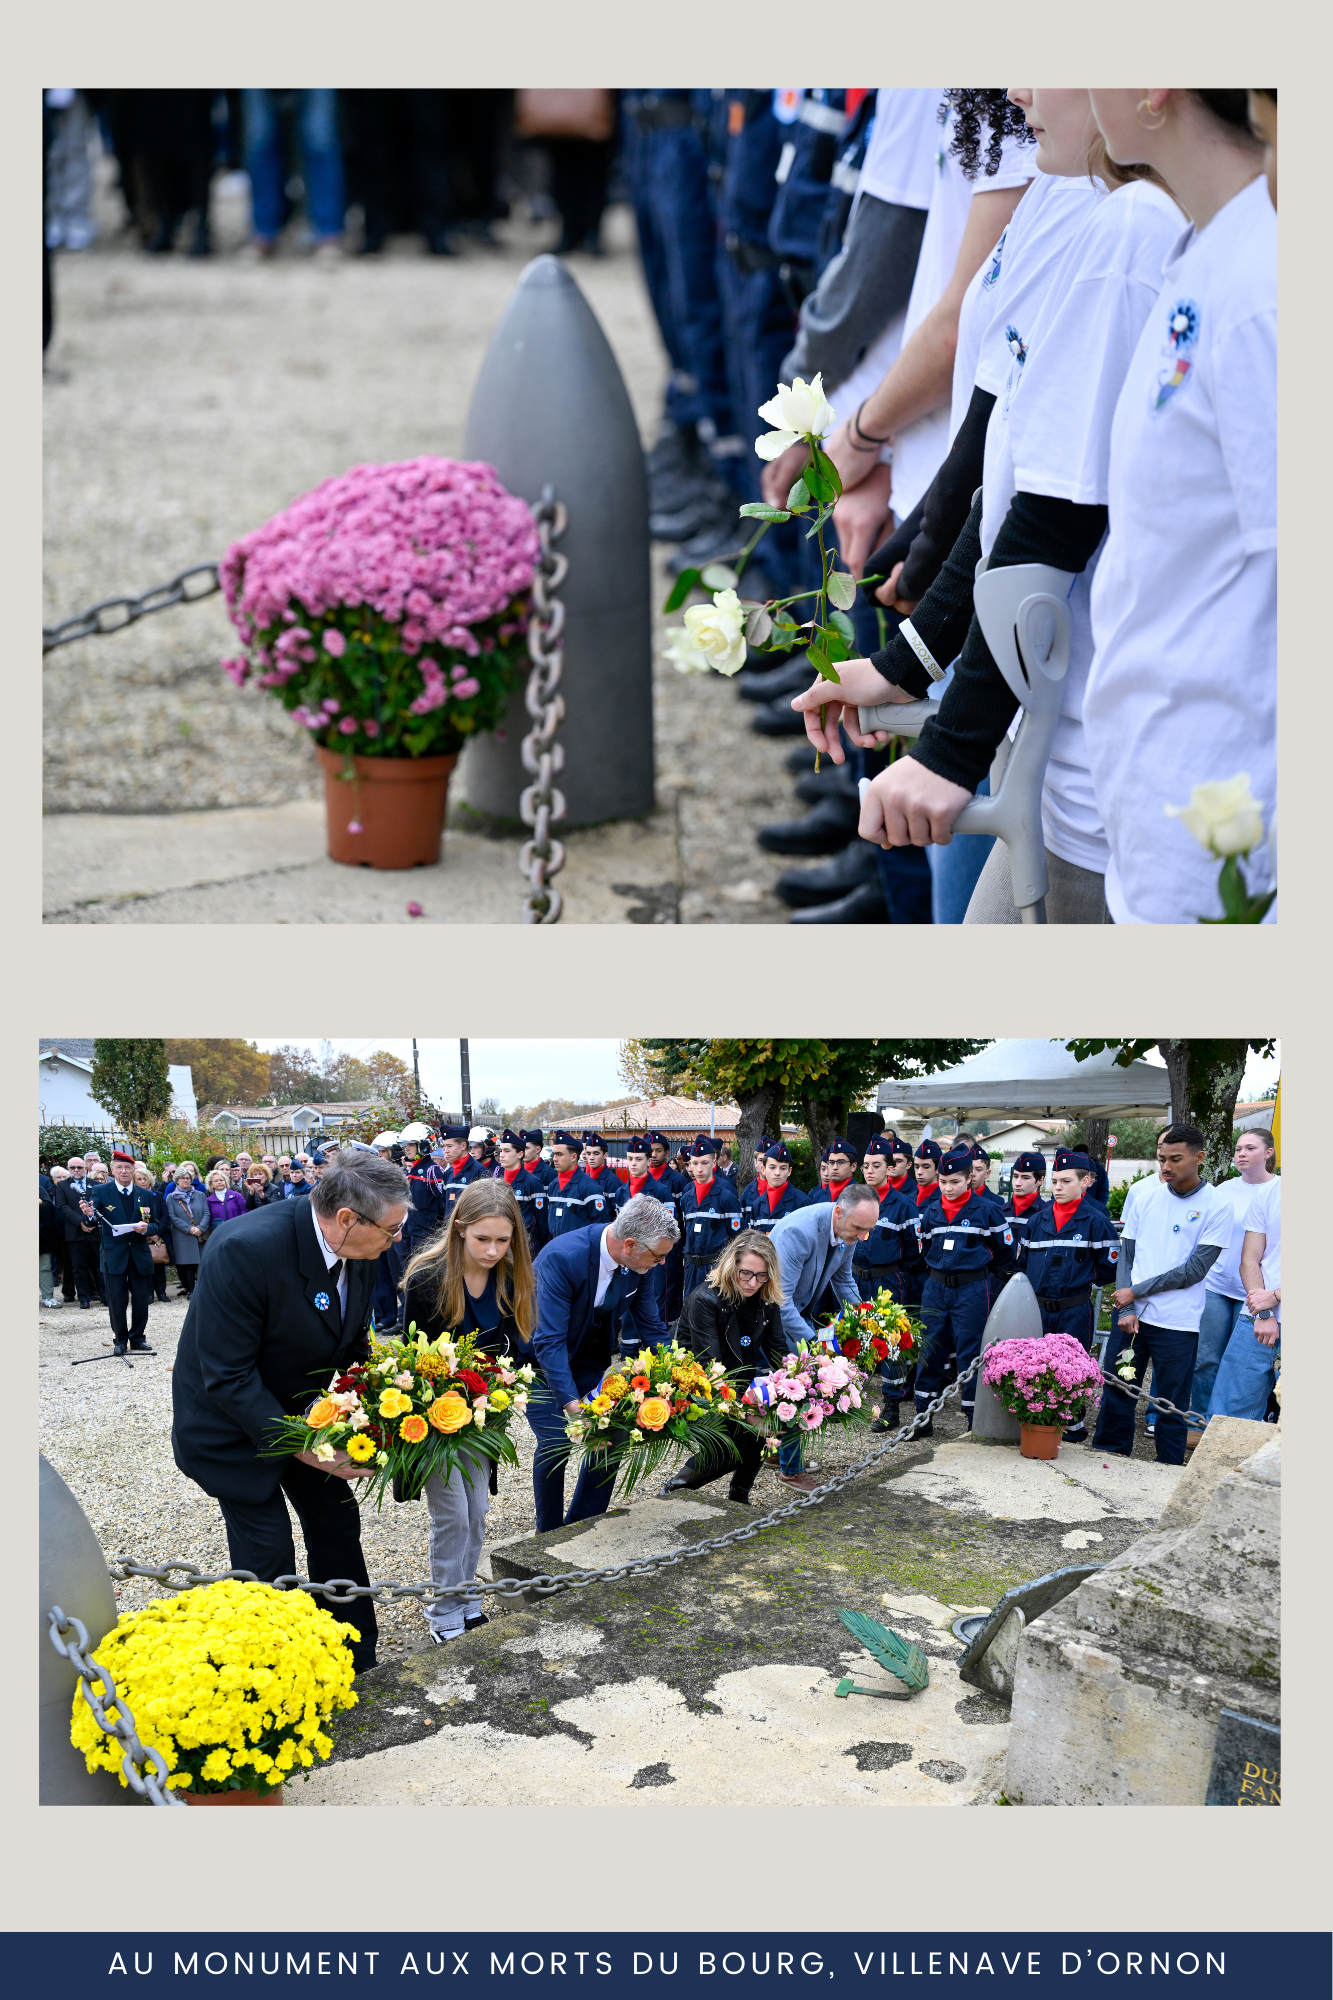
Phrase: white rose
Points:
(682, 652)
(1223, 816)
(479, 1415)
(323, 1451)
(718, 630)
(795, 413)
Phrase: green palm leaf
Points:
(903, 1657)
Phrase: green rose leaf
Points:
(828, 471)
(681, 589)
(759, 627)
(821, 663)
(817, 481)
(842, 589)
(842, 623)
(758, 510)
(799, 497)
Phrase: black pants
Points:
(749, 1443)
(187, 1273)
(259, 1537)
(579, 171)
(133, 1288)
(84, 1264)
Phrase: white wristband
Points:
(922, 650)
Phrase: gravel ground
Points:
(107, 1431)
(187, 401)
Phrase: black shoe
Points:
(834, 781)
(865, 905)
(786, 680)
(721, 540)
(471, 1624)
(802, 759)
(805, 888)
(884, 1423)
(141, 1347)
(85, 1305)
(118, 1347)
(440, 246)
(1076, 1434)
(825, 830)
(778, 718)
(686, 1479)
(740, 1494)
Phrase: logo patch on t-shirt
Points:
(1182, 334)
(992, 276)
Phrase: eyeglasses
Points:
(392, 1234)
(751, 1277)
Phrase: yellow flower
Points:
(360, 1448)
(449, 1413)
(430, 1363)
(613, 1386)
(601, 1405)
(393, 1403)
(499, 1399)
(412, 1430)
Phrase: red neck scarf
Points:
(565, 1179)
(657, 1172)
(459, 1166)
(923, 1194)
(512, 1174)
(835, 1188)
(1023, 1202)
(899, 1184)
(701, 1189)
(775, 1195)
(636, 1182)
(1064, 1210)
(952, 1208)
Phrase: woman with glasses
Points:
(474, 1277)
(188, 1213)
(733, 1318)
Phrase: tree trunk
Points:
(760, 1112)
(1098, 1131)
(1205, 1082)
(823, 1118)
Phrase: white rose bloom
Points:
(718, 630)
(324, 1451)
(682, 652)
(795, 413)
(1222, 816)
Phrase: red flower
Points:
(865, 1308)
(905, 1338)
(851, 1346)
(475, 1384)
(879, 1347)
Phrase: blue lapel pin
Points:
(322, 1301)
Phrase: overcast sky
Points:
(527, 1071)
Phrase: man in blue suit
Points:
(815, 1247)
(595, 1297)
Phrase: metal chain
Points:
(118, 612)
(541, 804)
(1141, 1395)
(145, 1769)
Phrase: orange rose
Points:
(412, 1430)
(653, 1413)
(449, 1412)
(324, 1413)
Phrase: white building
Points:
(64, 1083)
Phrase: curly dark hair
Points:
(984, 111)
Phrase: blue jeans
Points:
(668, 171)
(1171, 1349)
(1220, 1314)
(321, 160)
(954, 869)
(592, 1490)
(1245, 1375)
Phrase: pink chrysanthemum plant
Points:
(1051, 1380)
(387, 610)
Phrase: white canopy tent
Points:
(1035, 1079)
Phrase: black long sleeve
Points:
(941, 619)
(922, 542)
(959, 743)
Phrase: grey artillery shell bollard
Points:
(1014, 1316)
(551, 409)
(72, 1573)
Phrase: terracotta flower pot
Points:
(272, 1797)
(1039, 1440)
(396, 802)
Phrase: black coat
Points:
(709, 1326)
(257, 1345)
(71, 1215)
(419, 1307)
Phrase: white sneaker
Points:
(442, 1638)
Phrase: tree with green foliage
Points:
(223, 1072)
(816, 1081)
(130, 1079)
(1204, 1077)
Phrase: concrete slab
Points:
(1080, 1485)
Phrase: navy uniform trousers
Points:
(953, 1320)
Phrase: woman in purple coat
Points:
(224, 1200)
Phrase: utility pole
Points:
(466, 1073)
(416, 1075)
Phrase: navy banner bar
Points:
(1078, 1963)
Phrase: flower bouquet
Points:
(233, 1684)
(869, 1333)
(815, 1386)
(659, 1406)
(387, 611)
(415, 1407)
(1047, 1383)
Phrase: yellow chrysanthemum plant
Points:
(233, 1683)
(661, 1405)
(414, 1407)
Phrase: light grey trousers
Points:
(1074, 896)
(458, 1508)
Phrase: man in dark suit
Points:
(74, 1206)
(281, 1306)
(595, 1296)
(127, 1262)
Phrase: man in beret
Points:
(710, 1214)
(751, 1187)
(1071, 1246)
(127, 1262)
(964, 1240)
(540, 1169)
(667, 1185)
(841, 1158)
(1026, 1190)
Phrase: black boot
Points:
(739, 1489)
(825, 830)
(686, 1477)
(805, 888)
(865, 905)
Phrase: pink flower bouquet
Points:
(387, 609)
(815, 1387)
(1047, 1381)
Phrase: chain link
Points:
(145, 1769)
(541, 803)
(118, 612)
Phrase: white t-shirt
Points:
(899, 166)
(1225, 1274)
(1183, 687)
(1085, 278)
(1168, 1228)
(1265, 1212)
(919, 448)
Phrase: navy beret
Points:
(929, 1150)
(1079, 1163)
(980, 1153)
(775, 1150)
(1031, 1163)
(594, 1139)
(882, 1146)
(701, 1146)
(566, 1139)
(532, 1138)
(511, 1138)
(453, 1131)
(959, 1161)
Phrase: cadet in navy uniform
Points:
(426, 1187)
(458, 1169)
(925, 1171)
(540, 1169)
(775, 1195)
(1025, 1198)
(878, 1263)
(599, 1169)
(527, 1190)
(710, 1214)
(573, 1199)
(964, 1239)
(668, 1185)
(841, 1158)
(754, 1187)
(1071, 1246)
(127, 1262)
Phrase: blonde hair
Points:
(442, 1259)
(219, 1174)
(750, 1243)
(142, 1167)
(1116, 174)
